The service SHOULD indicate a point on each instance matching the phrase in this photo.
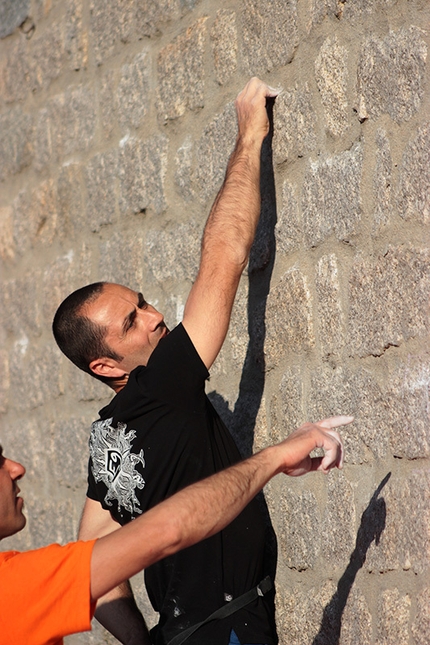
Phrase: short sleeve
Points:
(45, 594)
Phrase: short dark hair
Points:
(78, 337)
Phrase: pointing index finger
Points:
(335, 422)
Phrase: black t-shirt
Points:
(159, 434)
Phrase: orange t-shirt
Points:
(45, 594)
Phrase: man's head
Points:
(12, 519)
(107, 330)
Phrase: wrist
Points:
(250, 142)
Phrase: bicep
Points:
(95, 521)
(208, 311)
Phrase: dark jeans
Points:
(234, 639)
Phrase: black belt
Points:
(226, 610)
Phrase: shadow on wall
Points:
(371, 527)
(241, 422)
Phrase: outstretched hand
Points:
(300, 443)
(251, 111)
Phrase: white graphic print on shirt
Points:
(115, 465)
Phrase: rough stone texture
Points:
(356, 621)
(331, 201)
(293, 332)
(121, 260)
(108, 107)
(35, 217)
(291, 397)
(133, 93)
(270, 34)
(407, 404)
(213, 150)
(174, 253)
(12, 14)
(261, 428)
(56, 281)
(14, 77)
(319, 9)
(107, 22)
(46, 58)
(71, 215)
(70, 466)
(331, 319)
(301, 616)
(331, 72)
(340, 391)
(405, 538)
(4, 381)
(394, 610)
(100, 178)
(34, 374)
(7, 246)
(30, 435)
(289, 227)
(224, 45)
(388, 300)
(15, 142)
(414, 196)
(66, 126)
(337, 529)
(294, 124)
(361, 8)
(52, 520)
(421, 624)
(21, 310)
(183, 170)
(300, 520)
(180, 68)
(141, 173)
(76, 36)
(151, 14)
(391, 75)
(383, 194)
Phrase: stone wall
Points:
(116, 122)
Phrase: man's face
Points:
(134, 328)
(12, 519)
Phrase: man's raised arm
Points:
(230, 228)
(203, 509)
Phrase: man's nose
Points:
(15, 469)
(154, 313)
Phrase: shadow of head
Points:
(373, 521)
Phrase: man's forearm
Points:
(193, 514)
(203, 509)
(232, 222)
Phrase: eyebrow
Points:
(128, 321)
(130, 318)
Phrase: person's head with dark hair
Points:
(107, 330)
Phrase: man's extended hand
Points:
(252, 119)
(300, 443)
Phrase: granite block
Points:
(391, 73)
(331, 72)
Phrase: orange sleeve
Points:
(45, 594)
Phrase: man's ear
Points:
(106, 367)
